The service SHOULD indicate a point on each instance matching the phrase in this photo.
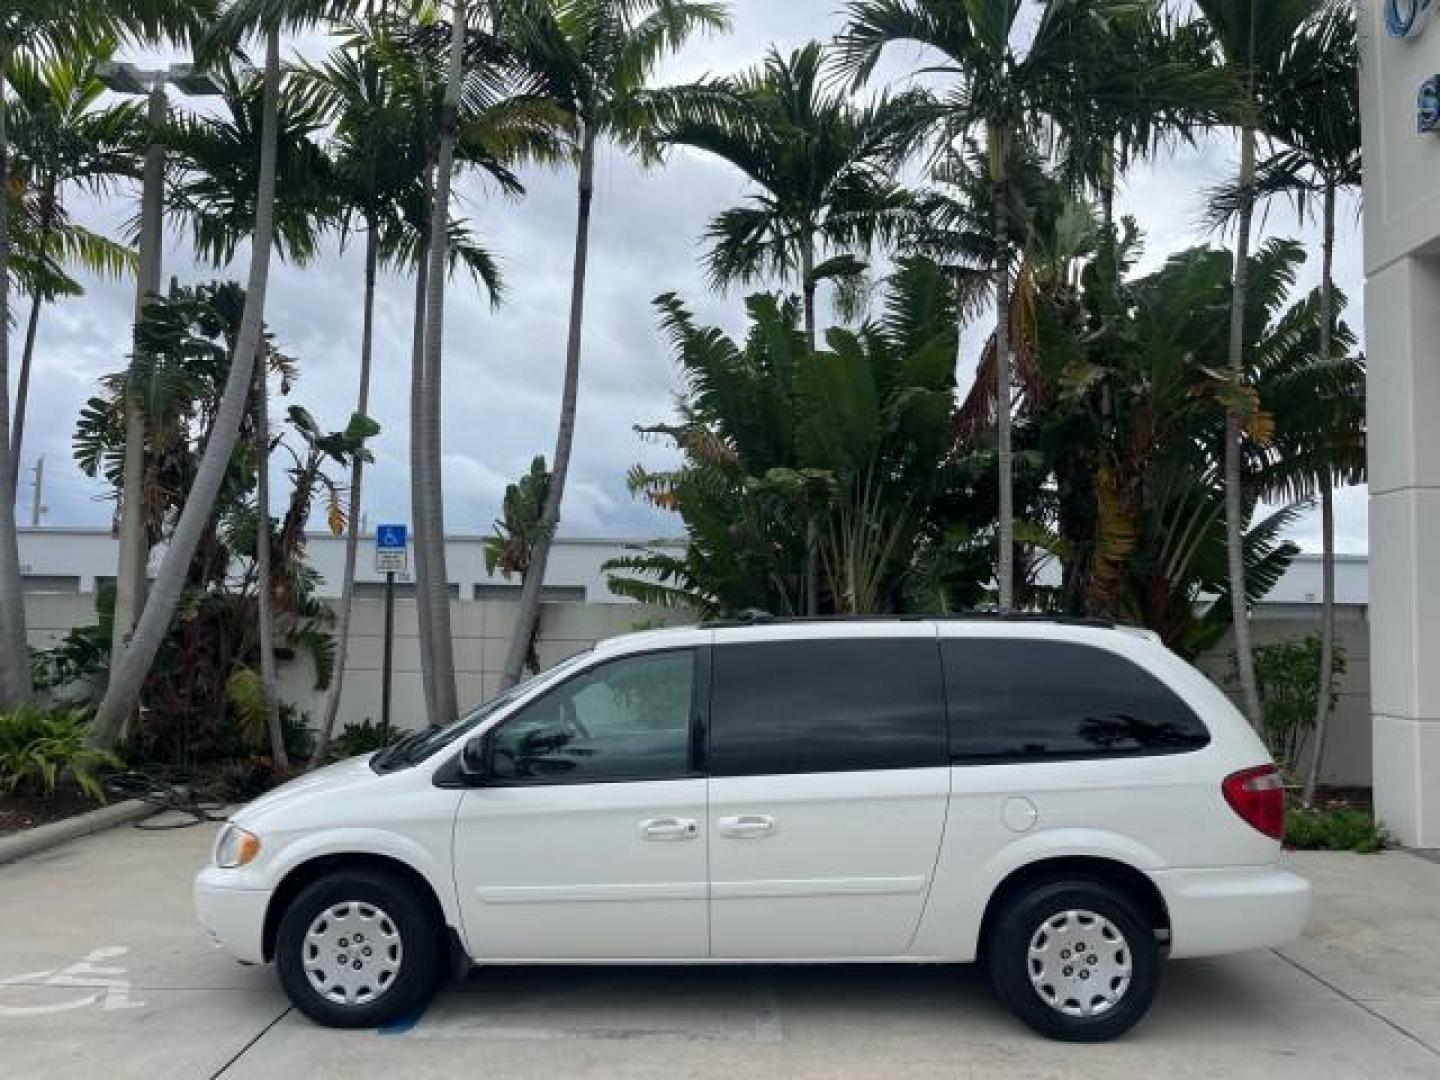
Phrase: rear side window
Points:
(1034, 700)
(826, 706)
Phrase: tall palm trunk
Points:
(32, 328)
(134, 552)
(22, 390)
(129, 672)
(352, 534)
(419, 491)
(1327, 519)
(16, 686)
(807, 291)
(529, 617)
(430, 523)
(1234, 494)
(265, 578)
(1107, 188)
(1005, 561)
(812, 527)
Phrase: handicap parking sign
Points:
(392, 549)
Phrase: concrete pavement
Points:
(103, 973)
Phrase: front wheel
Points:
(358, 948)
(1075, 960)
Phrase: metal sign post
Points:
(392, 556)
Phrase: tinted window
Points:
(628, 719)
(1027, 700)
(826, 706)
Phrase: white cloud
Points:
(503, 369)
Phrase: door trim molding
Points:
(591, 894)
(807, 887)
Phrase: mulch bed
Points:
(21, 812)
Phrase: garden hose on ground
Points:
(168, 791)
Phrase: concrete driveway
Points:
(104, 974)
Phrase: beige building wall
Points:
(482, 634)
(1347, 753)
(1402, 344)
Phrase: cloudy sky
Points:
(503, 369)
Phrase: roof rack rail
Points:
(756, 617)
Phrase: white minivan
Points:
(1066, 802)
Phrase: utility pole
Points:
(37, 501)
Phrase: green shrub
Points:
(40, 747)
(361, 738)
(1287, 674)
(1332, 829)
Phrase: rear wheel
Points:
(358, 948)
(1075, 960)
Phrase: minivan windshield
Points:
(419, 745)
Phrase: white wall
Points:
(1347, 752)
(482, 635)
(1402, 334)
(59, 559)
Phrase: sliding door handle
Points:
(747, 826)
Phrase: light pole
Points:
(134, 552)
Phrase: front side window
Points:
(420, 745)
(826, 706)
(628, 719)
(1013, 700)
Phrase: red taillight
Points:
(1258, 796)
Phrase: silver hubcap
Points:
(1079, 963)
(352, 953)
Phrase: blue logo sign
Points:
(1406, 18)
(1430, 106)
(391, 537)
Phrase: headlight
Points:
(236, 847)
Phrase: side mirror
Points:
(475, 759)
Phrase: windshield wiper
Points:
(381, 761)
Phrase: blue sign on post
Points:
(392, 549)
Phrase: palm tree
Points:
(438, 656)
(592, 59)
(380, 101)
(367, 121)
(128, 677)
(1317, 124)
(264, 575)
(1007, 98)
(1149, 84)
(1250, 40)
(217, 158)
(44, 28)
(824, 168)
(61, 140)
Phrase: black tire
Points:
(406, 917)
(1048, 1007)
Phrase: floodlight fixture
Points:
(121, 78)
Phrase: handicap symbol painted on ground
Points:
(108, 986)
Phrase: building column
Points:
(1402, 317)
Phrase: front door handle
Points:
(747, 826)
(669, 828)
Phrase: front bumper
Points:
(234, 918)
(1213, 912)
